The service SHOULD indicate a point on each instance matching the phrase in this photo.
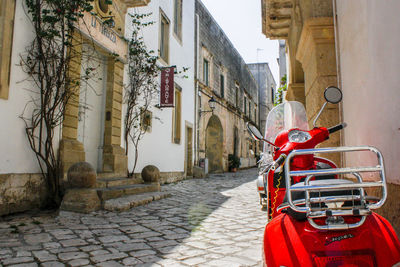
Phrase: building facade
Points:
(266, 90)
(168, 144)
(222, 74)
(349, 44)
(92, 129)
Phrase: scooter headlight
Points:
(297, 136)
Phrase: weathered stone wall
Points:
(391, 209)
(166, 177)
(171, 177)
(224, 58)
(316, 52)
(266, 83)
(224, 53)
(21, 192)
(231, 121)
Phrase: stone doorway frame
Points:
(188, 150)
(71, 150)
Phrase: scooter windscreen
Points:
(288, 115)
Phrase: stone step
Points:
(117, 181)
(128, 202)
(109, 175)
(107, 193)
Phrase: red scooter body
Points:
(276, 187)
(322, 228)
(291, 242)
(288, 242)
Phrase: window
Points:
(178, 18)
(164, 37)
(245, 105)
(255, 113)
(7, 9)
(250, 144)
(176, 135)
(249, 110)
(222, 85)
(206, 72)
(272, 95)
(237, 95)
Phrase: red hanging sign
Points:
(167, 87)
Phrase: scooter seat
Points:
(297, 195)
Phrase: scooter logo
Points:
(337, 238)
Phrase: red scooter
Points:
(319, 214)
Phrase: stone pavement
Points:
(214, 221)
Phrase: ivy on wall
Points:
(280, 91)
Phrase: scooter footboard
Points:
(335, 197)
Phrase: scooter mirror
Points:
(254, 132)
(333, 95)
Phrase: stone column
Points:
(71, 150)
(316, 52)
(114, 158)
(295, 92)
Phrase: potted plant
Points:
(234, 162)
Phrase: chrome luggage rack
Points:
(332, 206)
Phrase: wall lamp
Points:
(212, 104)
(109, 21)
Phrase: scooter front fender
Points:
(288, 242)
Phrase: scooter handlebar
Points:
(278, 162)
(337, 127)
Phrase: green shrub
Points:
(234, 161)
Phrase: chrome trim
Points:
(319, 113)
(333, 187)
(337, 226)
(322, 213)
(334, 171)
(330, 199)
(362, 210)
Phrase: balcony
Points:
(135, 3)
(276, 18)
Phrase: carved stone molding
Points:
(276, 18)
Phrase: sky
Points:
(241, 22)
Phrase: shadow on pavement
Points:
(162, 232)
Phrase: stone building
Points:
(92, 129)
(306, 82)
(222, 74)
(352, 45)
(266, 90)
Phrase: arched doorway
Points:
(214, 144)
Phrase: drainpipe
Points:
(339, 77)
(196, 93)
(336, 32)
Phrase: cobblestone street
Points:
(215, 221)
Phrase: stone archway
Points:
(214, 144)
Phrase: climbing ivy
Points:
(279, 92)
